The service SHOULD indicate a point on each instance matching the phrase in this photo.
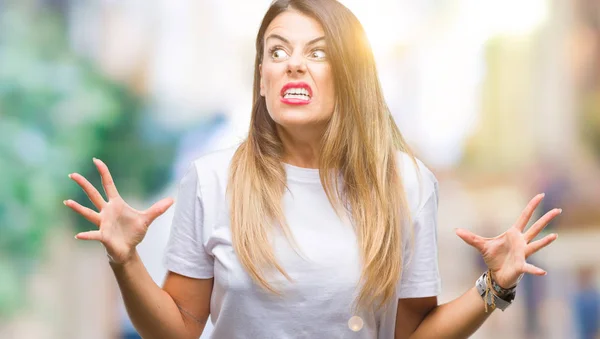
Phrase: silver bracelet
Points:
(484, 288)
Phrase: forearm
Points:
(152, 311)
(459, 318)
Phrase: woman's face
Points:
(296, 78)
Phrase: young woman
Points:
(321, 224)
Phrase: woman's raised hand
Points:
(506, 254)
(120, 227)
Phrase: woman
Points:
(321, 224)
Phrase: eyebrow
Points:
(277, 36)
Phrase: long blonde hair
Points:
(359, 146)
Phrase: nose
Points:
(296, 65)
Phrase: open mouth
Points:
(296, 92)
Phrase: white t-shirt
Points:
(318, 303)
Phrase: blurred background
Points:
(501, 99)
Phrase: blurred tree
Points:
(586, 33)
(591, 120)
(56, 113)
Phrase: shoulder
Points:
(420, 184)
(211, 170)
(214, 162)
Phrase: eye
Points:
(318, 54)
(278, 53)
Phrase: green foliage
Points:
(590, 126)
(56, 113)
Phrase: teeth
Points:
(297, 91)
(296, 96)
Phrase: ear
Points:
(262, 87)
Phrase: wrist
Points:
(492, 298)
(503, 289)
(128, 260)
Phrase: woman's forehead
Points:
(294, 27)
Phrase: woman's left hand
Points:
(505, 254)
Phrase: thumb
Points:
(470, 238)
(158, 209)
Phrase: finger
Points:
(539, 244)
(158, 209)
(529, 268)
(91, 215)
(471, 238)
(89, 189)
(107, 180)
(91, 235)
(539, 225)
(528, 212)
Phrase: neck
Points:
(301, 146)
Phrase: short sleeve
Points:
(185, 253)
(420, 276)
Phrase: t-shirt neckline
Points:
(302, 173)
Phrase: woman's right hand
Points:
(121, 227)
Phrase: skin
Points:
(290, 56)
(178, 310)
(505, 255)
(181, 307)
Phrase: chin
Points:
(295, 118)
(299, 122)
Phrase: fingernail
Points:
(65, 202)
(70, 175)
(543, 195)
(75, 237)
(94, 159)
(560, 210)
